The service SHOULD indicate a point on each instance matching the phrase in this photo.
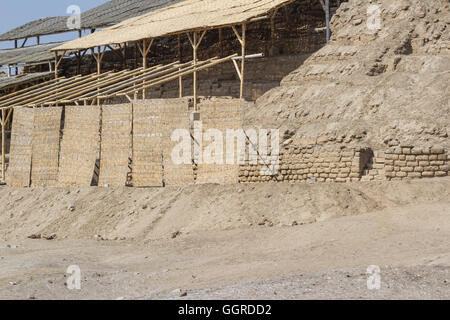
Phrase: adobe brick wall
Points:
(409, 162)
(309, 163)
(324, 164)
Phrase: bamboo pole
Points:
(243, 43)
(3, 143)
(145, 50)
(144, 64)
(56, 64)
(180, 79)
(195, 44)
(241, 72)
(195, 72)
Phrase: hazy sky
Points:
(15, 13)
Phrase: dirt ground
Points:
(402, 227)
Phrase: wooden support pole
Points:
(241, 72)
(3, 122)
(221, 42)
(145, 50)
(180, 79)
(98, 58)
(58, 62)
(243, 44)
(195, 73)
(124, 56)
(327, 17)
(326, 7)
(195, 44)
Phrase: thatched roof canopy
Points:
(189, 15)
(39, 53)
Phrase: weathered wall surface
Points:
(376, 87)
(315, 163)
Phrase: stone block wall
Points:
(409, 162)
(309, 163)
(320, 164)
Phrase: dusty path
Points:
(411, 244)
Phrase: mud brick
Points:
(436, 150)
(422, 157)
(406, 150)
(440, 173)
(416, 151)
(428, 174)
(414, 174)
(391, 156)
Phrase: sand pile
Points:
(370, 86)
(142, 214)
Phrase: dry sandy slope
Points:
(143, 214)
(320, 260)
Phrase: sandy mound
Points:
(165, 213)
(370, 87)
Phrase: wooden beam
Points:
(24, 42)
(180, 79)
(244, 31)
(145, 50)
(175, 75)
(195, 43)
(326, 7)
(241, 72)
(3, 122)
(58, 62)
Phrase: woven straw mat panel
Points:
(115, 148)
(147, 166)
(219, 114)
(79, 146)
(19, 170)
(45, 155)
(175, 115)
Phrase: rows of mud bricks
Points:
(308, 163)
(318, 164)
(412, 162)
